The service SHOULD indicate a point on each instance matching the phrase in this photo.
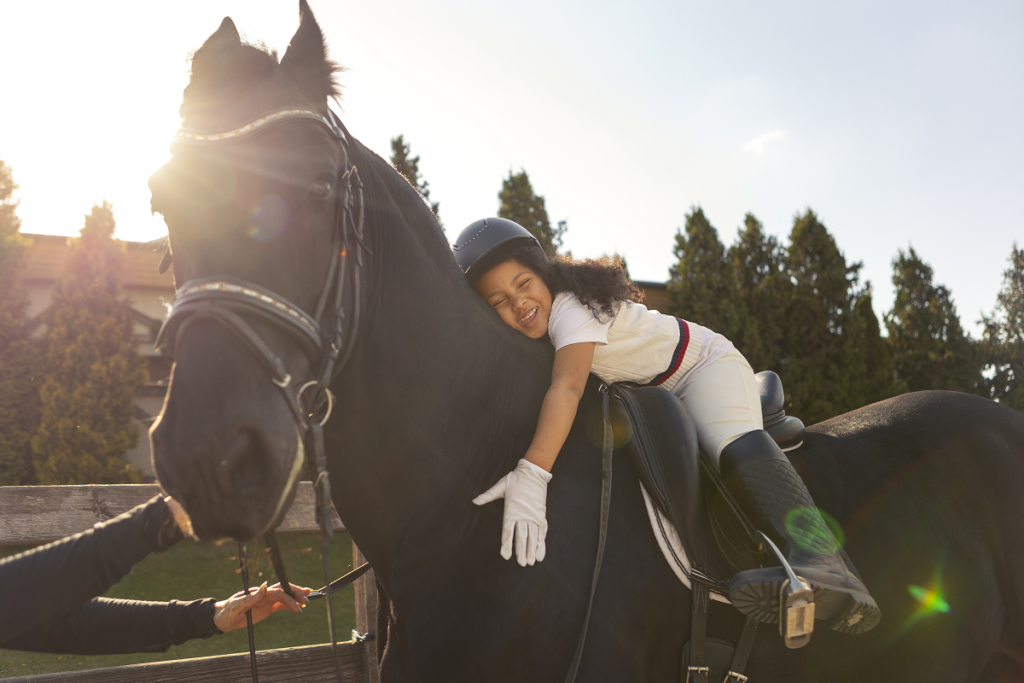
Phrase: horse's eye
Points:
(321, 189)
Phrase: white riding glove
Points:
(525, 490)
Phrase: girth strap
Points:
(742, 652)
(697, 668)
(606, 499)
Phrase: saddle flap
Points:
(663, 449)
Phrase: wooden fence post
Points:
(366, 613)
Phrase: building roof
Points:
(656, 295)
(46, 257)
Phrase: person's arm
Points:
(525, 489)
(103, 626)
(43, 583)
(568, 380)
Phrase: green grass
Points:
(192, 570)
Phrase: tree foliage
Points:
(818, 319)
(18, 395)
(519, 203)
(930, 348)
(762, 290)
(409, 166)
(1003, 340)
(700, 285)
(797, 310)
(93, 372)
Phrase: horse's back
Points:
(926, 487)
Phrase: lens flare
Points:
(815, 530)
(622, 430)
(268, 219)
(930, 600)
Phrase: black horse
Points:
(440, 399)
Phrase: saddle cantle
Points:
(785, 430)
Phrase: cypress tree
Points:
(756, 265)
(18, 395)
(870, 375)
(93, 370)
(814, 365)
(929, 346)
(518, 202)
(700, 285)
(409, 166)
(1003, 340)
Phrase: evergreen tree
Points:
(700, 285)
(930, 348)
(409, 166)
(18, 395)
(517, 202)
(870, 375)
(814, 363)
(93, 370)
(1003, 340)
(756, 265)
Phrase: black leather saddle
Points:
(683, 482)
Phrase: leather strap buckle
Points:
(733, 676)
(696, 671)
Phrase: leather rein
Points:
(232, 302)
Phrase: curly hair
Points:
(598, 283)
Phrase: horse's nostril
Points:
(246, 465)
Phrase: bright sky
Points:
(898, 121)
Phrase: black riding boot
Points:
(759, 475)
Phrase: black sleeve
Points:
(108, 627)
(38, 586)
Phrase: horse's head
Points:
(258, 209)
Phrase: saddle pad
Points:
(671, 547)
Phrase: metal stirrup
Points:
(796, 604)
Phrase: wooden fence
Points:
(41, 514)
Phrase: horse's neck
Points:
(440, 399)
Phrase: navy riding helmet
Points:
(482, 244)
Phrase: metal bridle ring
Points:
(330, 399)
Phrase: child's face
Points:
(519, 296)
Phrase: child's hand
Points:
(525, 490)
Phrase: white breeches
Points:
(723, 400)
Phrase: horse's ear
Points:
(306, 57)
(224, 37)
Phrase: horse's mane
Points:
(227, 72)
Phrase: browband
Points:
(191, 136)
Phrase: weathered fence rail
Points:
(33, 515)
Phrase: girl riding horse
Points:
(589, 311)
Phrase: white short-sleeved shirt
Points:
(635, 344)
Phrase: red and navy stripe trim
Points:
(677, 355)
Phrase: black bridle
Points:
(327, 337)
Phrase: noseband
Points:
(326, 336)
